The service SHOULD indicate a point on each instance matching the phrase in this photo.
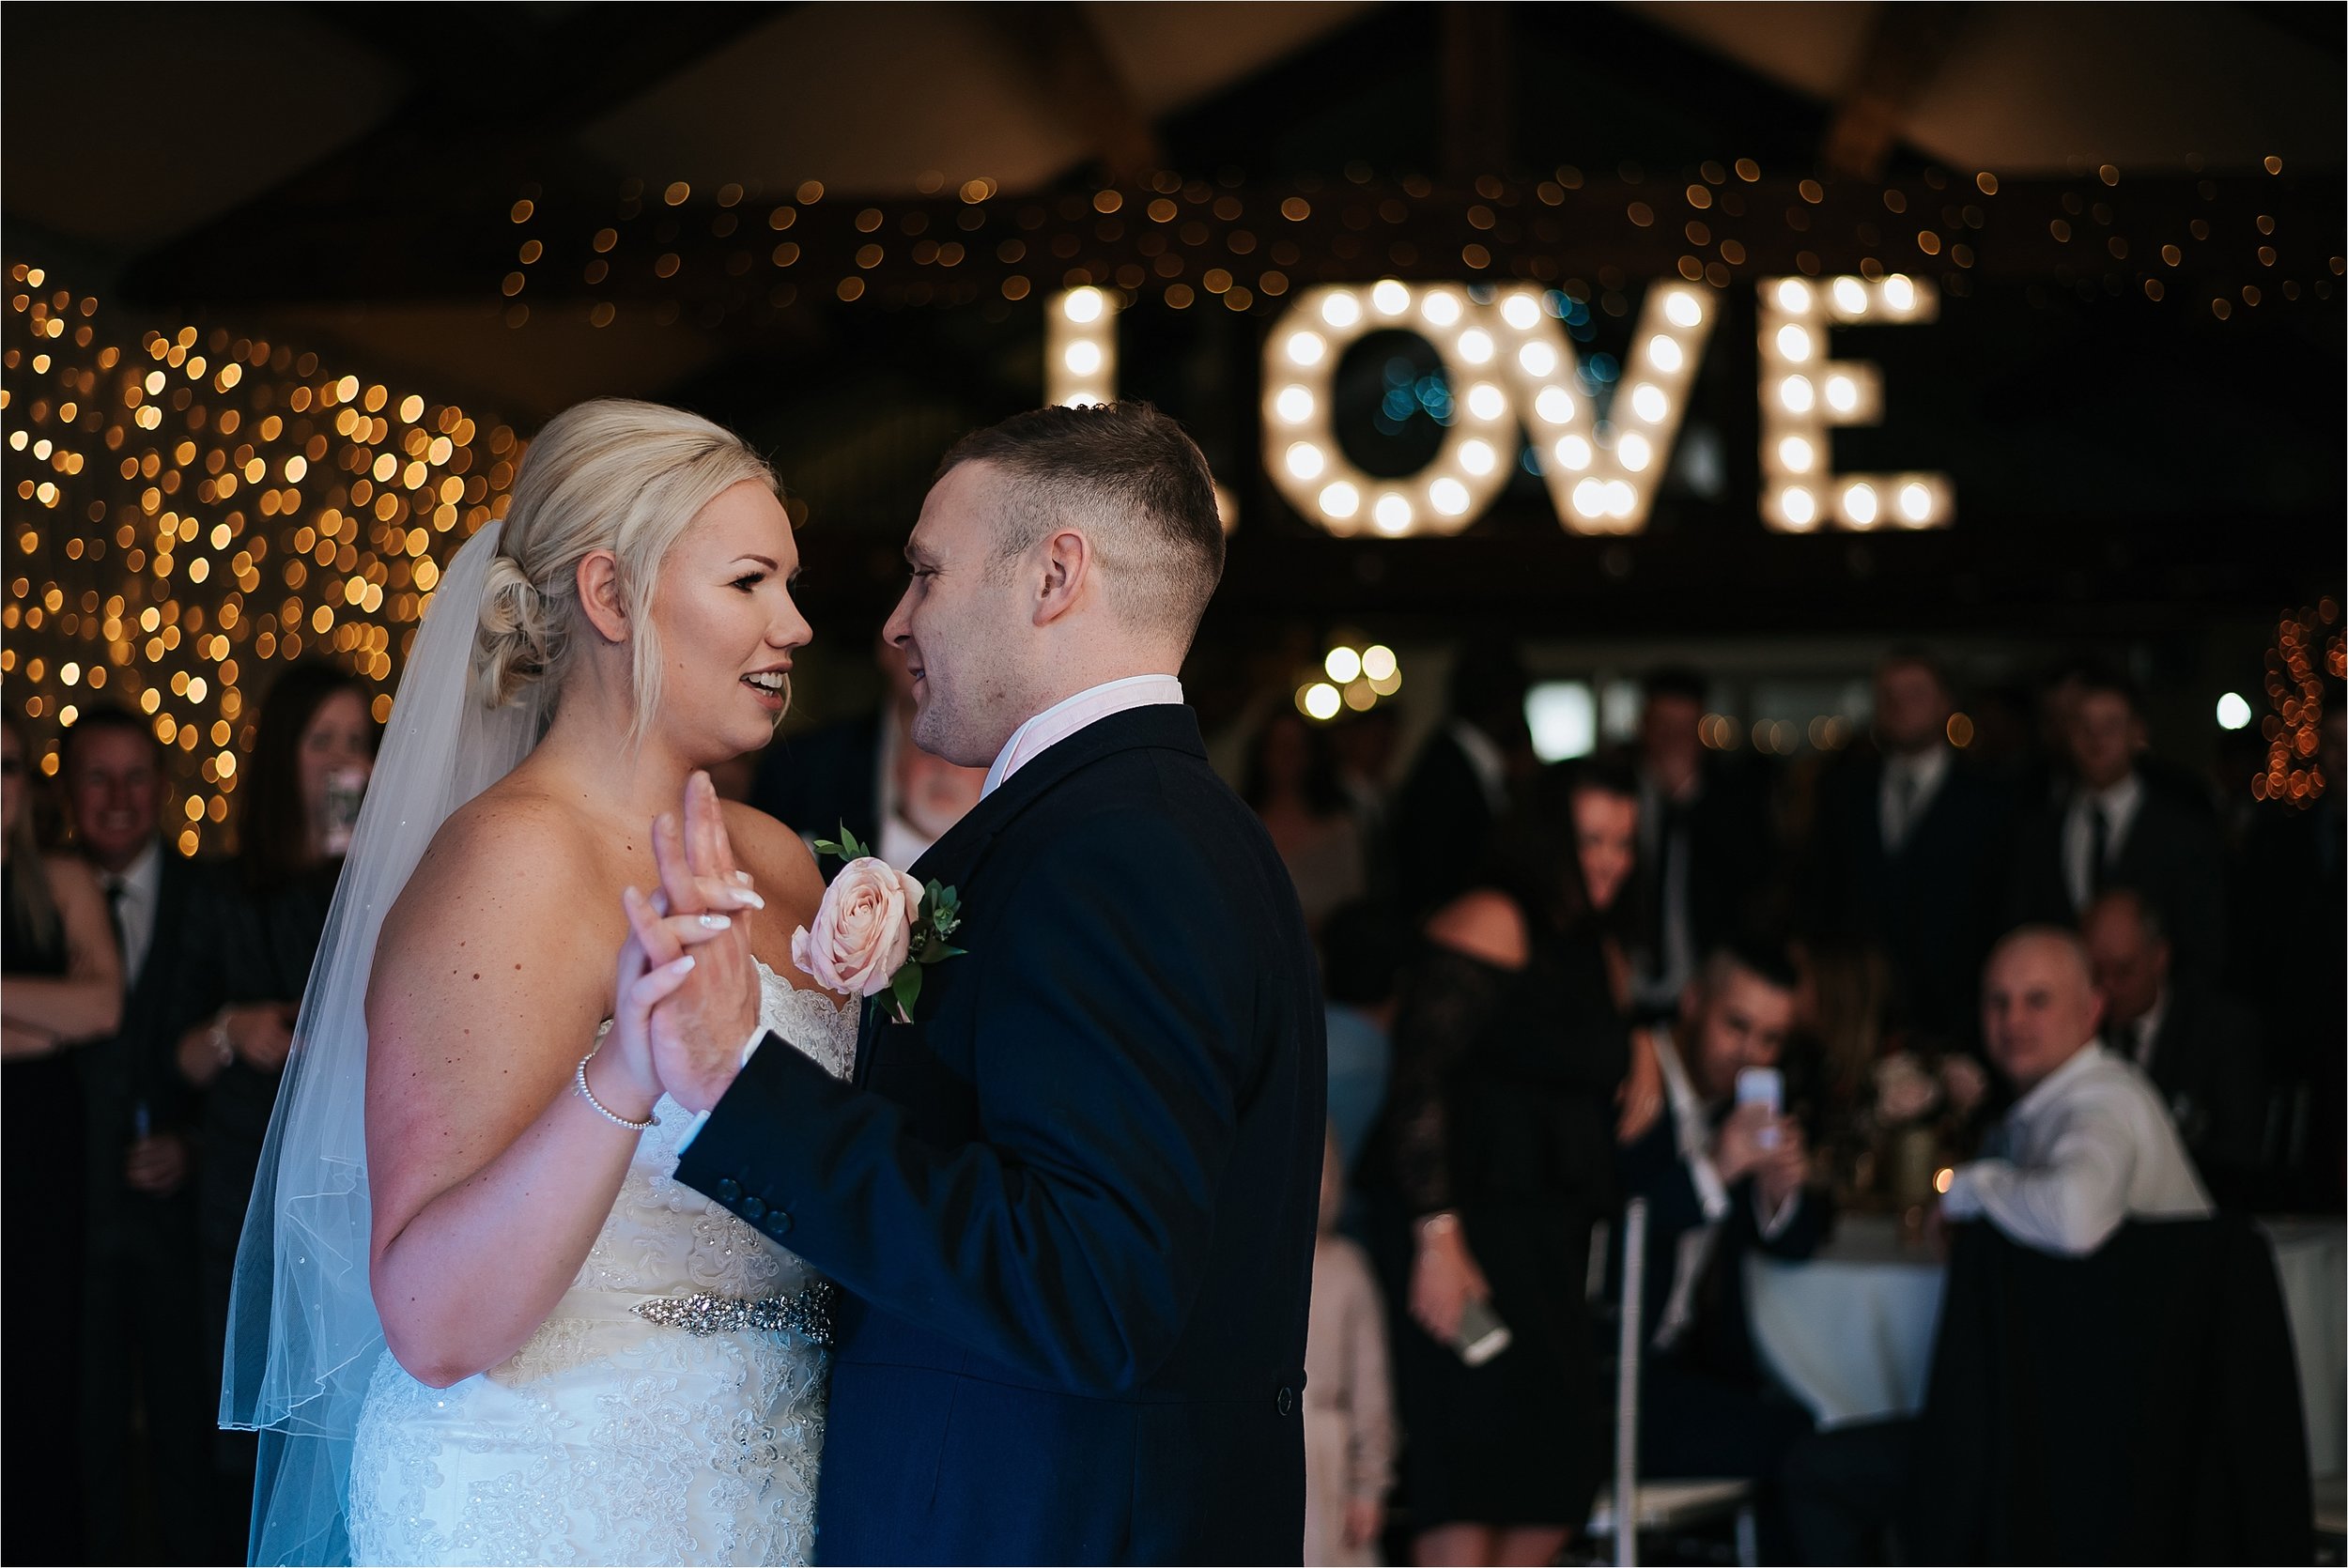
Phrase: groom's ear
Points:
(599, 594)
(1067, 562)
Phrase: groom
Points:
(1071, 1203)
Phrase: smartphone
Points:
(1763, 1087)
(1481, 1335)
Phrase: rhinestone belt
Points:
(808, 1313)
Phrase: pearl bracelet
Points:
(578, 1079)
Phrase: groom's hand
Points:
(699, 1032)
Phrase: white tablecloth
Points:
(2311, 1257)
(1850, 1332)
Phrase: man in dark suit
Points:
(1458, 785)
(1704, 843)
(142, 1340)
(1071, 1203)
(2113, 829)
(1721, 1180)
(1907, 852)
(2201, 1050)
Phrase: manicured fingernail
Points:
(682, 964)
(716, 922)
(742, 877)
(748, 900)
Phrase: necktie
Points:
(1904, 787)
(2098, 846)
(115, 891)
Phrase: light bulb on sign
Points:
(1082, 306)
(1850, 297)
(1538, 359)
(1340, 499)
(1521, 311)
(1476, 346)
(1793, 296)
(1859, 507)
(1915, 503)
(1793, 342)
(1341, 309)
(1682, 308)
(1391, 298)
(1635, 452)
(1554, 405)
(1796, 454)
(1295, 405)
(1649, 403)
(1797, 395)
(1842, 395)
(1080, 349)
(1307, 348)
(1487, 402)
(1393, 513)
(1573, 452)
(1450, 497)
(1476, 457)
(1663, 354)
(1440, 308)
(1305, 460)
(1082, 358)
(1800, 507)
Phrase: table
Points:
(1849, 1333)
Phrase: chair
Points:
(1664, 1505)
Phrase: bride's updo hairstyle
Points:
(610, 475)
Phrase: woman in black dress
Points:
(238, 994)
(1493, 1157)
(63, 986)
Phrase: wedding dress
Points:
(670, 1411)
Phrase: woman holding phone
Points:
(1491, 1160)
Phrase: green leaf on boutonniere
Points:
(906, 989)
(842, 849)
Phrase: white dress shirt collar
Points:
(1485, 758)
(1910, 780)
(1065, 717)
(2057, 1084)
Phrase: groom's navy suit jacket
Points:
(1072, 1202)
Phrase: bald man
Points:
(2087, 1143)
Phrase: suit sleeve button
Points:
(1287, 1401)
(752, 1208)
(777, 1223)
(729, 1191)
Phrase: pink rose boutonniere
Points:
(875, 929)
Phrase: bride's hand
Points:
(698, 1037)
(654, 962)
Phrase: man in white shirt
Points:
(2089, 1145)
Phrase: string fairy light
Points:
(186, 506)
(2307, 647)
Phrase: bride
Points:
(505, 1335)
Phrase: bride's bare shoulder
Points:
(512, 859)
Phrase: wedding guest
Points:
(251, 937)
(1907, 855)
(2087, 1143)
(145, 1389)
(1348, 1403)
(1365, 746)
(1705, 842)
(2200, 1049)
(865, 774)
(1721, 1180)
(1488, 1167)
(1290, 783)
(1361, 947)
(1458, 789)
(63, 986)
(2112, 829)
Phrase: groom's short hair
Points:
(1134, 480)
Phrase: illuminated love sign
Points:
(1513, 369)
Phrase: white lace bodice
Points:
(609, 1439)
